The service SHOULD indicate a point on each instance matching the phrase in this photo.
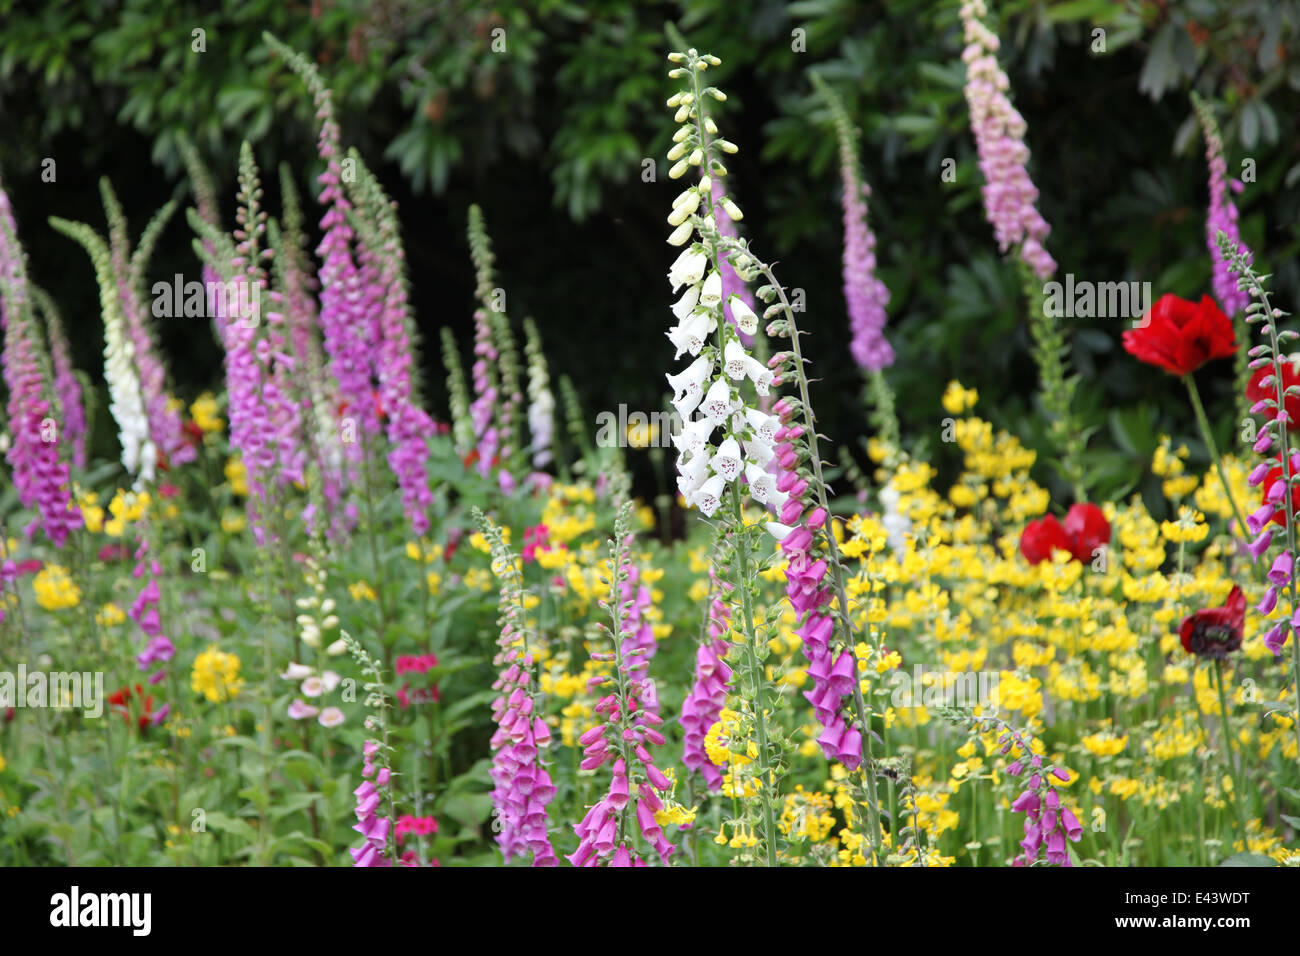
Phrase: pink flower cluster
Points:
(864, 293)
(371, 824)
(1009, 194)
(1222, 216)
(42, 480)
(523, 786)
(810, 596)
(68, 390)
(483, 409)
(1048, 824)
(708, 693)
(639, 636)
(629, 726)
(144, 611)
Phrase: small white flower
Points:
(778, 530)
(764, 425)
(758, 452)
(694, 436)
(762, 485)
(760, 374)
(711, 294)
(686, 304)
(297, 671)
(709, 495)
(329, 680)
(688, 386)
(679, 235)
(691, 475)
(313, 687)
(338, 647)
(688, 268)
(734, 358)
(717, 402)
(727, 461)
(743, 315)
(330, 717)
(689, 336)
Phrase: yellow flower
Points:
(54, 589)
(957, 399)
(216, 675)
(204, 412)
(109, 615)
(232, 522)
(237, 475)
(2, 763)
(361, 591)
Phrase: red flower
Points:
(1087, 530)
(1181, 336)
(113, 552)
(1275, 475)
(1042, 536)
(1215, 631)
(121, 702)
(1256, 391)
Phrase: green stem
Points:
(1204, 425)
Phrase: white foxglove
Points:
(717, 403)
(763, 425)
(688, 386)
(762, 483)
(743, 315)
(686, 304)
(693, 436)
(711, 294)
(688, 268)
(689, 336)
(758, 452)
(734, 360)
(709, 495)
(727, 461)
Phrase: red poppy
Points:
(1256, 391)
(121, 702)
(1041, 537)
(168, 491)
(1215, 631)
(1087, 529)
(193, 433)
(1275, 475)
(113, 552)
(1180, 336)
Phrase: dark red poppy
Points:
(113, 552)
(168, 491)
(1086, 530)
(121, 701)
(1215, 631)
(1180, 336)
(193, 433)
(1256, 391)
(9, 715)
(1042, 536)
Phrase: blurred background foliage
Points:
(544, 113)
